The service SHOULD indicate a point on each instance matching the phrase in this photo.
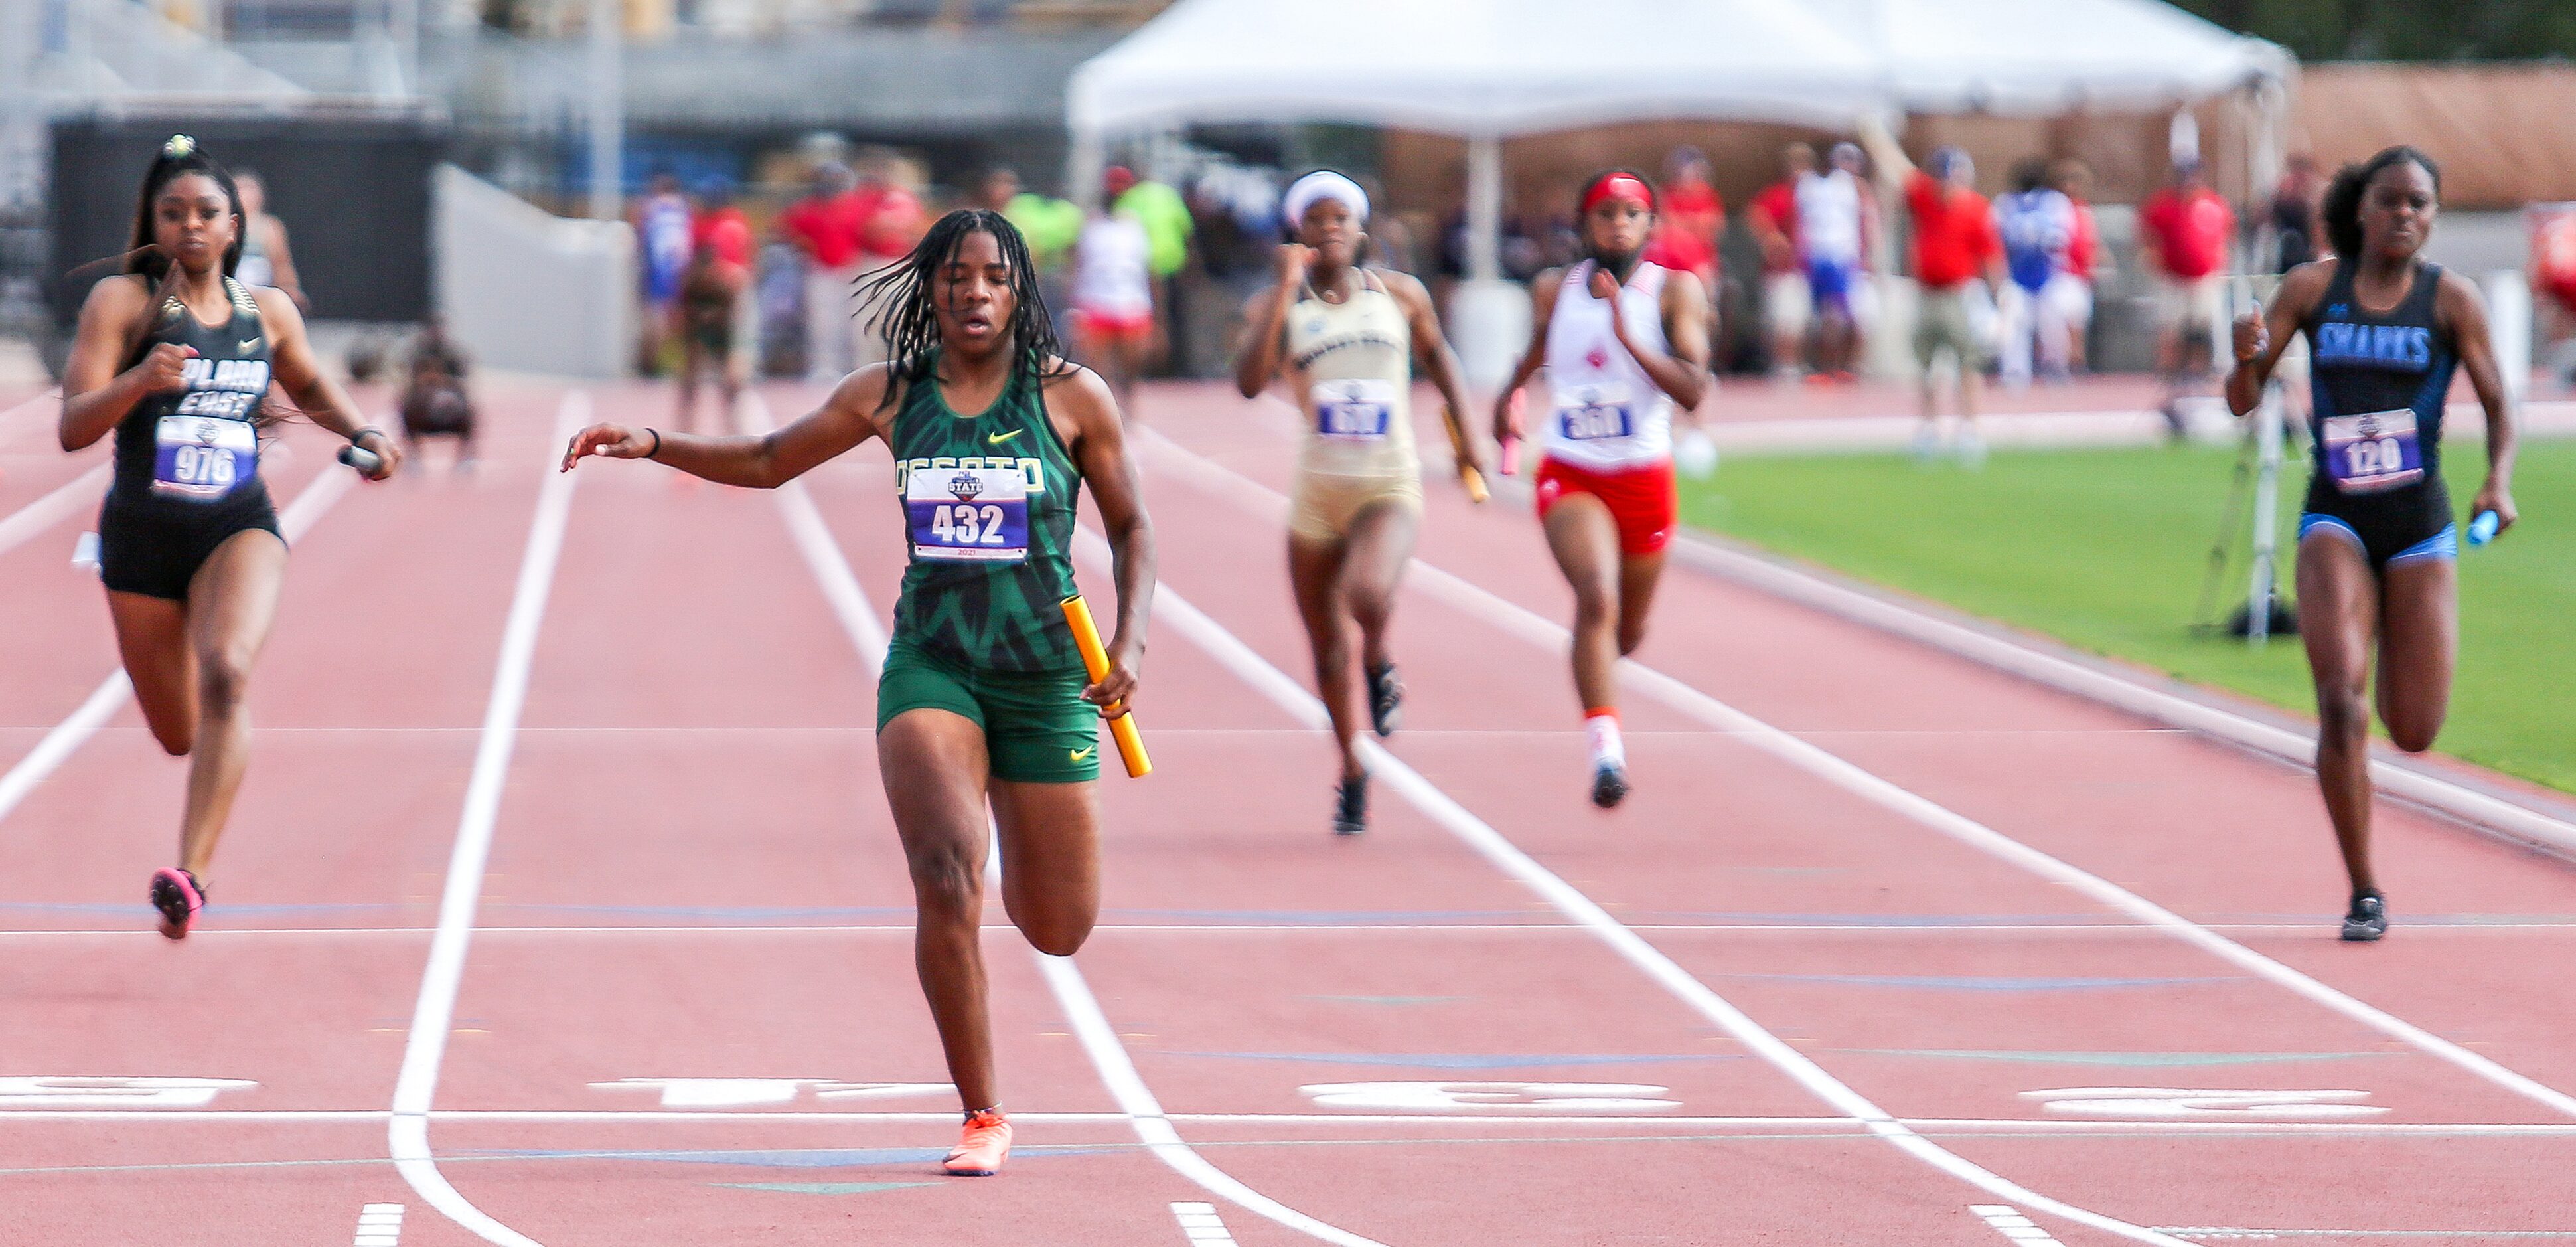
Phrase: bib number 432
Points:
(968, 515)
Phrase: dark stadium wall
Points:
(354, 192)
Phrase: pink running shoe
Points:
(176, 894)
(988, 1140)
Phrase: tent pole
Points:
(1484, 207)
(607, 112)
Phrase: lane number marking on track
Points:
(2187, 1102)
(1407, 1097)
(379, 1225)
(1201, 1223)
(60, 1091)
(749, 1092)
(2009, 1222)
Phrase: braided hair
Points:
(2341, 210)
(179, 155)
(898, 303)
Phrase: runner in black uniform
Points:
(189, 546)
(2377, 546)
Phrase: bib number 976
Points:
(201, 465)
(202, 457)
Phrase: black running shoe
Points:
(1386, 699)
(1350, 806)
(2368, 919)
(178, 895)
(1609, 784)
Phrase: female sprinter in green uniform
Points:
(983, 695)
(176, 357)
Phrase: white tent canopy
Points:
(1491, 69)
(2048, 56)
(1473, 67)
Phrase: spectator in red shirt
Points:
(2072, 288)
(1773, 218)
(722, 228)
(2185, 229)
(825, 226)
(1955, 249)
(721, 224)
(1693, 218)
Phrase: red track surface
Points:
(692, 876)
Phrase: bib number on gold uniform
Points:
(202, 458)
(2373, 451)
(1354, 409)
(968, 515)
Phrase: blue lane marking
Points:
(2133, 1060)
(1397, 1002)
(1335, 917)
(1431, 1060)
(791, 1158)
(823, 1188)
(1984, 983)
(722, 913)
(1887, 920)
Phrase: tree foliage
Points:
(2403, 30)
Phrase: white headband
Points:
(1324, 184)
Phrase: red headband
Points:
(1619, 186)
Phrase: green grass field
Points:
(2106, 549)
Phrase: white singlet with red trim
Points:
(1605, 413)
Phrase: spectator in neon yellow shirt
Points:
(1049, 224)
(1161, 211)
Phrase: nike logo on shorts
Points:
(996, 439)
(1082, 755)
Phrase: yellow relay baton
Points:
(1095, 659)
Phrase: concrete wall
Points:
(522, 288)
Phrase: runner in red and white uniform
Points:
(1113, 293)
(1625, 343)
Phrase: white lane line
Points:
(1201, 1225)
(66, 738)
(53, 508)
(1572, 1123)
(1292, 697)
(2393, 777)
(1516, 620)
(1099, 1039)
(379, 1225)
(1908, 930)
(426, 1046)
(2009, 1222)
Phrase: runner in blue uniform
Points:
(176, 357)
(2378, 549)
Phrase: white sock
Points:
(1602, 727)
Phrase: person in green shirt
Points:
(1165, 216)
(1048, 224)
(986, 719)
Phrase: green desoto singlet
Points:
(989, 570)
